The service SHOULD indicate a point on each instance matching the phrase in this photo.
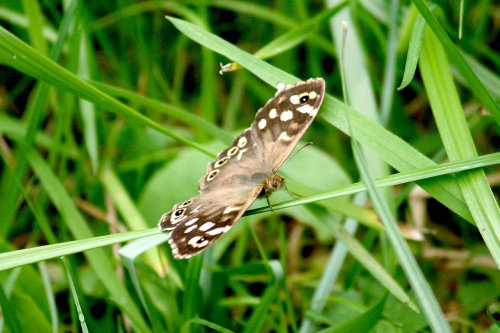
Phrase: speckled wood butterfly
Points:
(244, 171)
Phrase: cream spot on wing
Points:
(232, 151)
(284, 137)
(196, 209)
(188, 223)
(226, 228)
(191, 228)
(262, 123)
(313, 95)
(306, 108)
(293, 126)
(215, 231)
(206, 226)
(242, 142)
(286, 115)
(230, 209)
(241, 153)
(273, 113)
(294, 99)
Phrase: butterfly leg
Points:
(269, 203)
(293, 195)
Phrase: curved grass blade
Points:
(458, 60)
(458, 142)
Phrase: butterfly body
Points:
(244, 171)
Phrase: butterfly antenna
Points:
(310, 143)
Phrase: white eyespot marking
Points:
(240, 155)
(286, 115)
(232, 151)
(188, 223)
(273, 113)
(206, 226)
(221, 162)
(306, 108)
(294, 99)
(262, 123)
(212, 174)
(198, 241)
(216, 231)
(303, 98)
(177, 216)
(242, 142)
(284, 137)
(191, 228)
(230, 209)
(313, 95)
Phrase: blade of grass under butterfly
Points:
(28, 256)
(396, 179)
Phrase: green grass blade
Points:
(365, 322)
(18, 55)
(444, 169)
(413, 53)
(296, 35)
(458, 60)
(74, 293)
(28, 256)
(76, 224)
(458, 141)
(428, 303)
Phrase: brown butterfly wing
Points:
(282, 122)
(206, 218)
(239, 173)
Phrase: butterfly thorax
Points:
(271, 184)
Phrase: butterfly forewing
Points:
(243, 171)
(280, 124)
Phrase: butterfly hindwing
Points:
(201, 220)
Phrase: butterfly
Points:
(244, 171)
